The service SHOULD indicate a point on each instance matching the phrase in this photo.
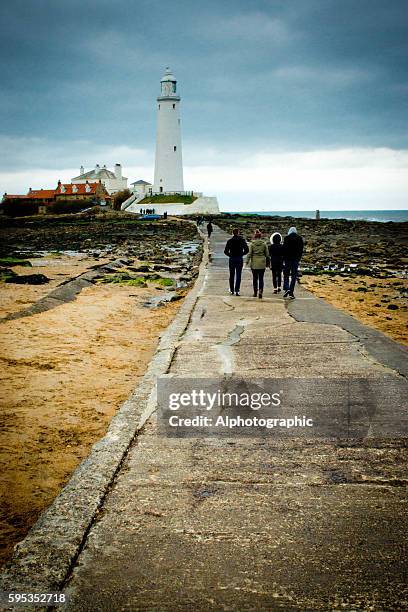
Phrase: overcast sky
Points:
(286, 104)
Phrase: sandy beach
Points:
(66, 371)
(380, 303)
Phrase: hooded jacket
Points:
(258, 254)
(276, 250)
(293, 246)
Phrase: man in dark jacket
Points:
(235, 249)
(293, 251)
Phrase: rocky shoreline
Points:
(167, 252)
(337, 246)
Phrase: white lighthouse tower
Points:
(168, 170)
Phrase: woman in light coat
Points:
(258, 260)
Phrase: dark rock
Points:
(29, 279)
(141, 269)
(163, 268)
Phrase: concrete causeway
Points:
(254, 523)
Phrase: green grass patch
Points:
(6, 262)
(167, 199)
(165, 282)
(124, 279)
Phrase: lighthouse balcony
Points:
(170, 97)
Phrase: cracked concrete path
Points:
(234, 524)
(252, 523)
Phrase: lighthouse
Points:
(168, 170)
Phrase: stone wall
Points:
(203, 206)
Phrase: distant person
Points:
(293, 251)
(276, 258)
(209, 229)
(165, 214)
(235, 249)
(258, 259)
(141, 211)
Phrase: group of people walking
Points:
(281, 256)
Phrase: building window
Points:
(174, 106)
(175, 148)
(161, 189)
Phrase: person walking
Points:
(292, 254)
(209, 229)
(276, 258)
(257, 259)
(235, 249)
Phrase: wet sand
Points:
(64, 373)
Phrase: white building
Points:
(168, 171)
(141, 188)
(113, 181)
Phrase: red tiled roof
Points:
(81, 189)
(40, 193)
(49, 194)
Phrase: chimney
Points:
(81, 170)
(118, 171)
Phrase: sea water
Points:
(351, 215)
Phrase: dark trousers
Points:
(276, 276)
(290, 269)
(258, 280)
(235, 271)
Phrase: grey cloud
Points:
(26, 153)
(261, 74)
